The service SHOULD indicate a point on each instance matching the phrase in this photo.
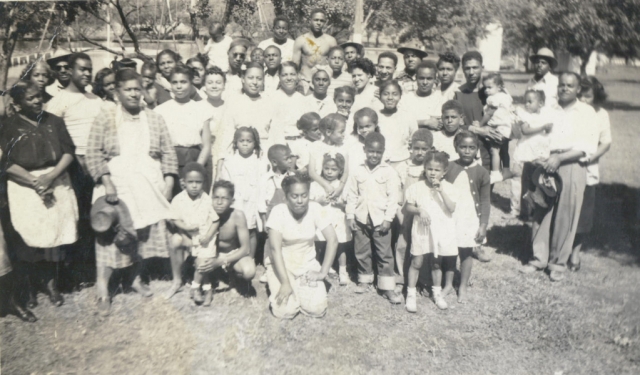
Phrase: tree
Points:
(340, 15)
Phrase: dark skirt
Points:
(585, 223)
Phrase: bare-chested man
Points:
(310, 49)
(233, 238)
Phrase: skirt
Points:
(44, 224)
(153, 241)
(585, 223)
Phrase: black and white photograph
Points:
(320, 187)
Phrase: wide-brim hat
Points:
(55, 60)
(549, 183)
(355, 45)
(106, 216)
(420, 53)
(547, 54)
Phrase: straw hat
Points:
(547, 54)
(55, 60)
(420, 53)
(359, 47)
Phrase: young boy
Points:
(452, 120)
(425, 103)
(339, 77)
(151, 93)
(271, 193)
(410, 172)
(233, 238)
(372, 202)
(196, 224)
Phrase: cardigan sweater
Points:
(480, 186)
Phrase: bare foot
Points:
(462, 295)
(175, 287)
(142, 289)
(446, 290)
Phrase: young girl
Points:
(332, 127)
(343, 97)
(309, 126)
(395, 124)
(535, 124)
(498, 114)
(472, 209)
(245, 169)
(432, 202)
(198, 64)
(166, 61)
(333, 166)
(365, 122)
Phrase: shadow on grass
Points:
(621, 106)
(512, 240)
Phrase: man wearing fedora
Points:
(62, 73)
(407, 77)
(574, 135)
(544, 62)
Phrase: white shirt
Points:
(397, 129)
(322, 107)
(444, 143)
(604, 136)
(366, 98)
(422, 107)
(78, 110)
(344, 79)
(575, 128)
(449, 93)
(287, 111)
(243, 110)
(534, 146)
(286, 49)
(218, 52)
(184, 121)
(271, 83)
(549, 85)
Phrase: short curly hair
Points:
(364, 64)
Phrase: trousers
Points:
(371, 245)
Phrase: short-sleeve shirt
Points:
(604, 126)
(78, 110)
(422, 107)
(397, 129)
(286, 49)
(443, 142)
(218, 52)
(298, 249)
(185, 121)
(194, 212)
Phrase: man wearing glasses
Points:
(235, 58)
(61, 72)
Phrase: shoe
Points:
(481, 255)
(33, 301)
(24, 314)
(55, 297)
(363, 288)
(198, 297)
(104, 306)
(410, 303)
(574, 267)
(332, 273)
(392, 296)
(528, 268)
(556, 276)
(208, 297)
(495, 176)
(142, 289)
(440, 302)
(263, 277)
(343, 277)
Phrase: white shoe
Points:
(343, 277)
(410, 303)
(495, 176)
(438, 299)
(263, 278)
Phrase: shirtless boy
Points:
(311, 48)
(233, 237)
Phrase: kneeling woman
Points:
(295, 276)
(131, 157)
(43, 207)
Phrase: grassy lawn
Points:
(513, 324)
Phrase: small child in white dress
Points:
(498, 114)
(309, 126)
(196, 225)
(432, 202)
(332, 169)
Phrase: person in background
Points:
(320, 101)
(362, 70)
(407, 77)
(425, 103)
(309, 126)
(385, 70)
(448, 65)
(40, 74)
(288, 103)
(280, 39)
(166, 61)
(352, 51)
(198, 63)
(152, 92)
(544, 62)
(339, 77)
(62, 74)
(104, 85)
(257, 56)
(396, 124)
(272, 60)
(452, 122)
(215, 105)
(217, 47)
(592, 93)
(236, 57)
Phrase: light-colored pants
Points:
(309, 300)
(553, 233)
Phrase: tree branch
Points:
(83, 37)
(125, 24)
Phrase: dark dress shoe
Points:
(24, 314)
(33, 301)
(55, 297)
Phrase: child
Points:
(150, 91)
(365, 122)
(410, 172)
(339, 77)
(257, 56)
(344, 97)
(452, 120)
(535, 124)
(372, 202)
(270, 190)
(244, 169)
(333, 166)
(196, 226)
(396, 125)
(472, 208)
(432, 202)
(498, 115)
(332, 128)
(309, 126)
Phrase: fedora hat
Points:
(547, 54)
(359, 47)
(420, 53)
(55, 60)
(547, 189)
(115, 217)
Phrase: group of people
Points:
(302, 155)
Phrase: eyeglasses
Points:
(61, 67)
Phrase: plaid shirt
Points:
(103, 142)
(408, 82)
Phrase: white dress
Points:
(465, 215)
(245, 173)
(336, 215)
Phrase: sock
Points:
(195, 285)
(342, 269)
(436, 290)
(411, 291)
(206, 287)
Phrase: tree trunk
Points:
(228, 9)
(194, 24)
(585, 61)
(8, 46)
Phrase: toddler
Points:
(365, 122)
(332, 127)
(309, 126)
(432, 202)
